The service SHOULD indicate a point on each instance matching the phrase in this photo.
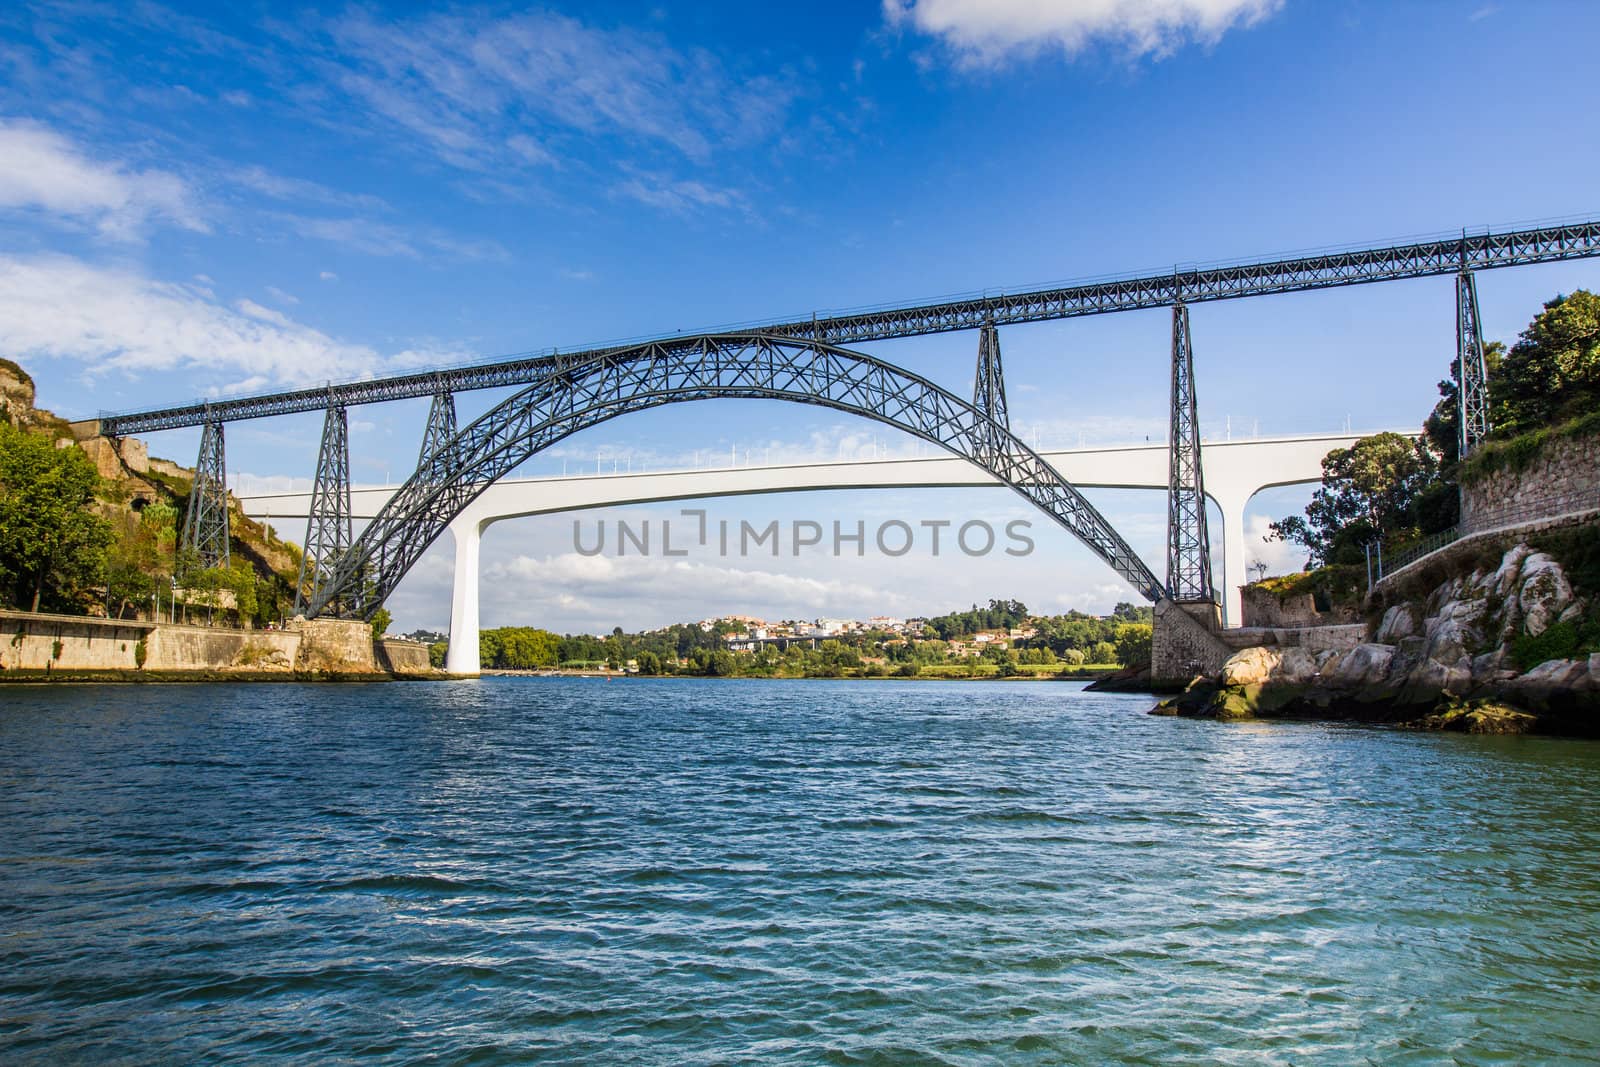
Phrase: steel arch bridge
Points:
(594, 388)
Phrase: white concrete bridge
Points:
(1234, 472)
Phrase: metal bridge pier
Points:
(205, 527)
(441, 424)
(1188, 542)
(328, 532)
(1472, 373)
(989, 387)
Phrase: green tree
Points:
(649, 662)
(1103, 652)
(139, 558)
(488, 648)
(380, 622)
(1552, 373)
(1369, 490)
(1133, 644)
(52, 546)
(523, 648)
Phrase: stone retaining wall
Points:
(1270, 611)
(73, 643)
(43, 642)
(205, 648)
(1563, 478)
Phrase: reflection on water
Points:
(836, 872)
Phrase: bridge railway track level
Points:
(1326, 270)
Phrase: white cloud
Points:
(109, 318)
(680, 196)
(982, 32)
(42, 171)
(280, 187)
(482, 92)
(328, 276)
(382, 239)
(597, 592)
(1281, 557)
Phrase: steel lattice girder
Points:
(205, 527)
(582, 392)
(1192, 285)
(328, 527)
(1188, 542)
(1472, 373)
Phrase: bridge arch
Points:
(599, 387)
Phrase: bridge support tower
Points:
(1183, 642)
(205, 527)
(1188, 541)
(989, 387)
(328, 529)
(1472, 373)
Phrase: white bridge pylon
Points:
(1234, 471)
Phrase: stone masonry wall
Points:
(404, 657)
(41, 642)
(1563, 478)
(188, 648)
(340, 645)
(1183, 646)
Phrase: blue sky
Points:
(198, 201)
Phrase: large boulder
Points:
(1358, 668)
(1455, 631)
(1250, 666)
(1544, 593)
(1508, 577)
(1399, 621)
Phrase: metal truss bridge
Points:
(803, 361)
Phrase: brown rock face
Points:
(16, 394)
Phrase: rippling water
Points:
(648, 871)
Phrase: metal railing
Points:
(1381, 562)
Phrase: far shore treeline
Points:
(1002, 639)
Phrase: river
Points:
(571, 870)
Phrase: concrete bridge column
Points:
(462, 659)
(1234, 559)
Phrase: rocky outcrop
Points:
(16, 394)
(1460, 657)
